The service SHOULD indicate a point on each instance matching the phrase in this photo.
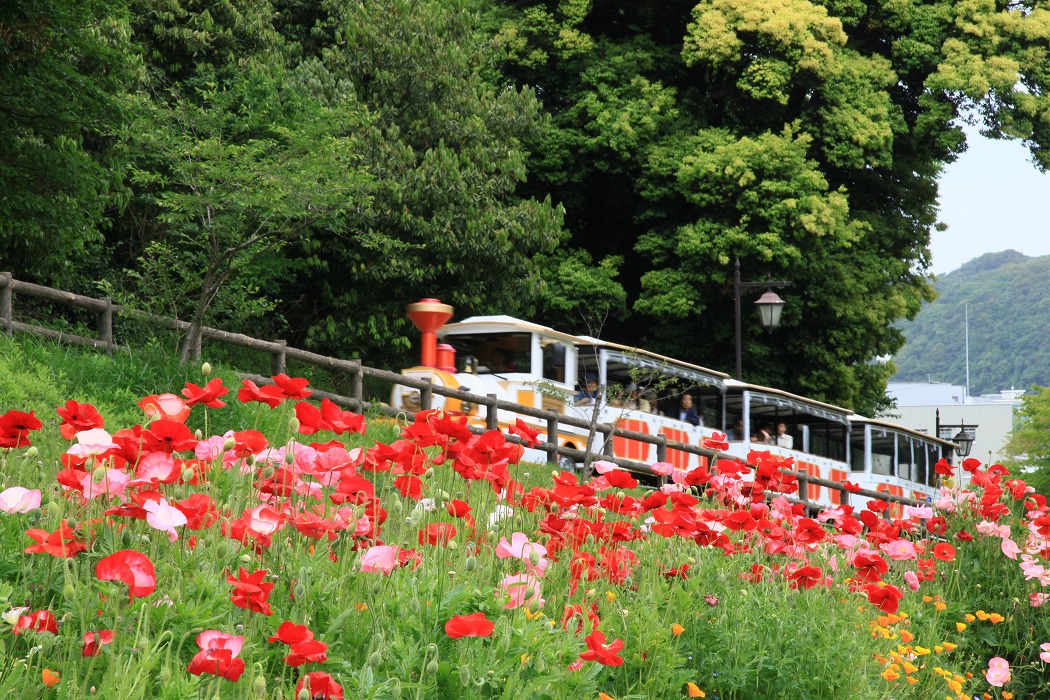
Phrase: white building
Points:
(918, 405)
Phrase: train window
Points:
(553, 360)
(495, 353)
(905, 462)
(933, 454)
(856, 444)
(828, 440)
(882, 452)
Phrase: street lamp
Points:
(963, 439)
(770, 306)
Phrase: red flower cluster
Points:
(473, 625)
(129, 567)
(249, 591)
(15, 427)
(302, 647)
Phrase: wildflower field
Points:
(218, 539)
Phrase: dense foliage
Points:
(306, 169)
(1004, 295)
(1028, 448)
(203, 544)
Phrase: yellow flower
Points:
(890, 675)
(610, 596)
(948, 646)
(912, 680)
(981, 615)
(938, 648)
(1007, 695)
(906, 636)
(525, 659)
(970, 618)
(921, 651)
(362, 606)
(927, 599)
(694, 691)
(910, 668)
(995, 618)
(603, 696)
(960, 626)
(940, 606)
(677, 629)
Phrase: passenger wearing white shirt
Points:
(783, 439)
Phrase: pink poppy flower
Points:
(912, 580)
(92, 442)
(662, 468)
(162, 516)
(1044, 655)
(899, 550)
(18, 499)
(522, 589)
(1038, 600)
(112, 483)
(998, 672)
(1010, 548)
(603, 467)
(381, 558)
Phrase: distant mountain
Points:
(1008, 295)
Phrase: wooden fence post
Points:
(359, 388)
(491, 416)
(426, 396)
(661, 449)
(280, 358)
(6, 318)
(552, 438)
(105, 324)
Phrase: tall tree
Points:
(803, 138)
(1028, 449)
(64, 65)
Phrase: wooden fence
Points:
(106, 312)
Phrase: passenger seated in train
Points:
(686, 412)
(782, 438)
(736, 433)
(588, 393)
(760, 435)
(636, 399)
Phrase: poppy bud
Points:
(375, 659)
(534, 556)
(554, 507)
(293, 424)
(68, 591)
(98, 474)
(289, 457)
(72, 523)
(250, 460)
(432, 668)
(429, 473)
(164, 676)
(620, 495)
(32, 452)
(377, 588)
(414, 604)
(452, 544)
(199, 434)
(187, 474)
(445, 496)
(300, 590)
(470, 549)
(206, 369)
(304, 694)
(259, 687)
(229, 444)
(395, 689)
(432, 649)
(267, 473)
(525, 475)
(125, 539)
(53, 509)
(464, 674)
(145, 539)
(244, 559)
(470, 564)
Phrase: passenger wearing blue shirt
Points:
(589, 393)
(686, 412)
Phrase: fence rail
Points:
(280, 352)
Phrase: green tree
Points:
(803, 138)
(1028, 449)
(64, 65)
(445, 149)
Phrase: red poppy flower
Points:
(458, 508)
(39, 621)
(60, 543)
(129, 567)
(522, 430)
(598, 650)
(309, 652)
(340, 421)
(473, 625)
(15, 427)
(321, 686)
(806, 577)
(851, 487)
(884, 597)
(292, 387)
(246, 442)
(309, 417)
(169, 436)
(209, 395)
(93, 642)
(943, 468)
(937, 525)
(218, 655)
(270, 395)
(249, 591)
(870, 566)
(618, 478)
(77, 417)
(944, 551)
(964, 536)
(291, 633)
(409, 486)
(437, 534)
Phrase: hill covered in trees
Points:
(1008, 302)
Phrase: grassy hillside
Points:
(1009, 319)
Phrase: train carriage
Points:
(539, 367)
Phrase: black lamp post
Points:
(770, 306)
(964, 438)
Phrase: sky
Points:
(992, 199)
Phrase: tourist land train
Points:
(539, 367)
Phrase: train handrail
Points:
(280, 352)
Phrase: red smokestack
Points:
(429, 315)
